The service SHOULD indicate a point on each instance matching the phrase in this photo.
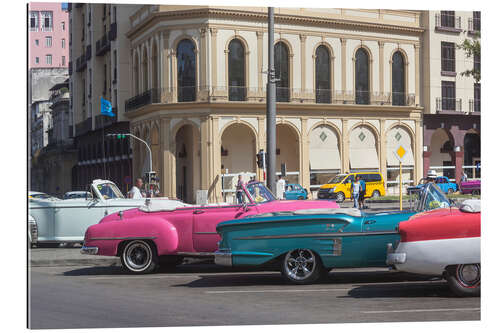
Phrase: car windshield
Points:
(260, 193)
(431, 197)
(109, 191)
(337, 179)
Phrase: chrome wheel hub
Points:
(138, 256)
(300, 264)
(469, 275)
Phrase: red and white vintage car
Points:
(443, 242)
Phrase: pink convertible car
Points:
(165, 231)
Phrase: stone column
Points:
(305, 179)
(344, 64)
(417, 74)
(260, 65)
(213, 34)
(458, 159)
(204, 153)
(165, 68)
(383, 151)
(203, 59)
(345, 146)
(167, 163)
(215, 191)
(302, 64)
(381, 66)
(427, 161)
(417, 171)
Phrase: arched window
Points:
(323, 84)
(236, 68)
(186, 71)
(398, 79)
(281, 66)
(362, 77)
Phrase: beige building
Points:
(349, 93)
(452, 102)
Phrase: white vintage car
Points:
(65, 221)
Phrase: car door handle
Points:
(198, 211)
(370, 221)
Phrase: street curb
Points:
(76, 262)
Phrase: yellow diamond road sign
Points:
(400, 153)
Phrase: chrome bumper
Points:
(89, 250)
(223, 258)
(394, 258)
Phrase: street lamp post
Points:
(271, 107)
(120, 136)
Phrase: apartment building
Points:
(452, 102)
(348, 93)
(99, 67)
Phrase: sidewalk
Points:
(67, 256)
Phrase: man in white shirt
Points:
(135, 192)
(280, 188)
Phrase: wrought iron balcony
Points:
(81, 63)
(474, 105)
(474, 25)
(448, 104)
(112, 32)
(103, 45)
(146, 98)
(448, 23)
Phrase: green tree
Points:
(472, 48)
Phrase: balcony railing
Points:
(448, 104)
(103, 45)
(146, 98)
(88, 52)
(474, 25)
(253, 94)
(449, 23)
(112, 32)
(474, 105)
(81, 63)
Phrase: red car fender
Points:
(108, 236)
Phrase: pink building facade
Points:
(48, 28)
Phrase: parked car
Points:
(65, 221)
(295, 192)
(41, 195)
(305, 244)
(339, 187)
(443, 182)
(444, 242)
(164, 233)
(471, 187)
(76, 195)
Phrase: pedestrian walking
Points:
(362, 193)
(431, 176)
(355, 190)
(135, 191)
(239, 190)
(280, 188)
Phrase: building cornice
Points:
(355, 25)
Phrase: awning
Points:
(324, 159)
(393, 161)
(364, 158)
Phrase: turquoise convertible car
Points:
(306, 244)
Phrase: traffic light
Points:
(260, 159)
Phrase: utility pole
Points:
(271, 106)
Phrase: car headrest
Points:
(471, 206)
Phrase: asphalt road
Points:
(201, 294)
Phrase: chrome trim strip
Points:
(123, 238)
(89, 250)
(332, 234)
(223, 258)
(196, 254)
(205, 233)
